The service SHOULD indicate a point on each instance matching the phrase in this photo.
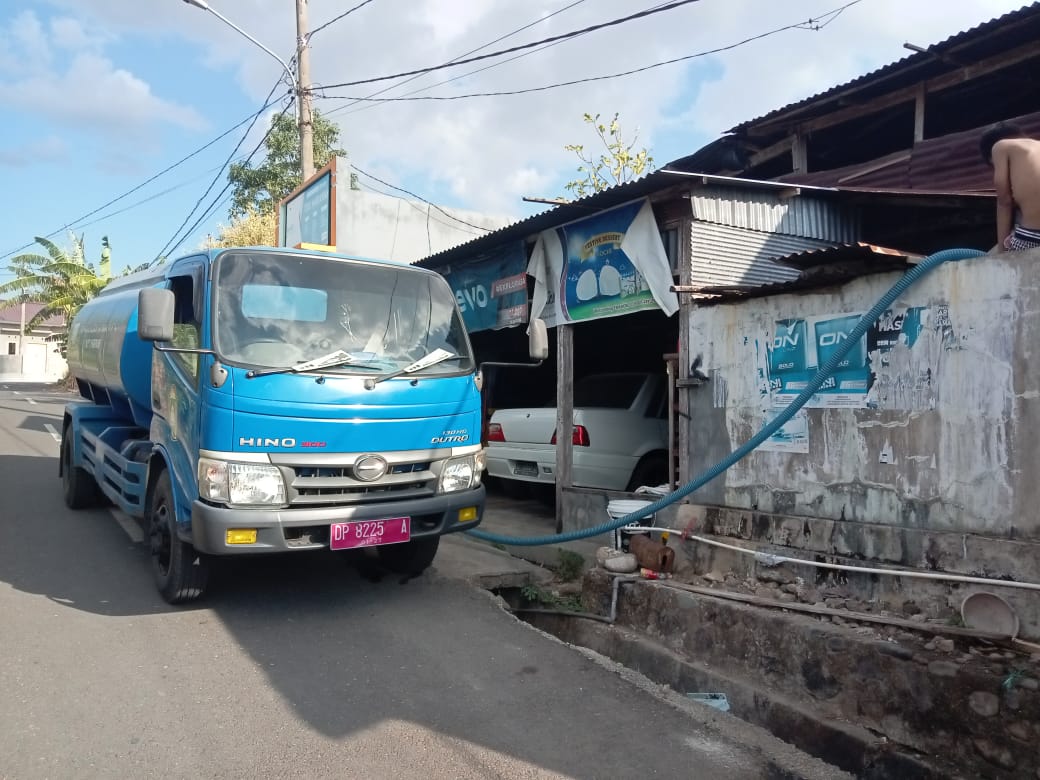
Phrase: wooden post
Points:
(919, 99)
(799, 154)
(564, 415)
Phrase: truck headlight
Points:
(460, 474)
(246, 484)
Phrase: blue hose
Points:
(763, 435)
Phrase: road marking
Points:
(53, 432)
(128, 524)
(32, 401)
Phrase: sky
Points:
(100, 96)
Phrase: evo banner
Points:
(606, 265)
(492, 290)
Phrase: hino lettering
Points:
(261, 442)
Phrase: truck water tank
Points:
(112, 366)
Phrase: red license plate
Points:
(368, 533)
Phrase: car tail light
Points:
(495, 432)
(580, 437)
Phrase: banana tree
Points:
(63, 281)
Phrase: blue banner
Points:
(492, 290)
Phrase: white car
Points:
(620, 435)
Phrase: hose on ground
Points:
(824, 372)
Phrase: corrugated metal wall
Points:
(725, 255)
(763, 210)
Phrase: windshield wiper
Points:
(432, 359)
(331, 360)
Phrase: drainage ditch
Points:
(875, 702)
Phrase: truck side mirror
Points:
(155, 314)
(538, 339)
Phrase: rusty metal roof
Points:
(819, 268)
(949, 164)
(1012, 29)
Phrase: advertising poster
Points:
(306, 218)
(606, 265)
(800, 346)
(792, 437)
(492, 291)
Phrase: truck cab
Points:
(258, 400)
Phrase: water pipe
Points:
(769, 559)
(824, 372)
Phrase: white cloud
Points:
(61, 76)
(487, 152)
(45, 150)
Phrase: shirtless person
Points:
(1016, 177)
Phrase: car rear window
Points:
(607, 391)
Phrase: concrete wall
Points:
(952, 439)
(384, 227)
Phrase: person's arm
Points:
(1002, 184)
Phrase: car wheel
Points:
(411, 558)
(77, 485)
(651, 471)
(180, 573)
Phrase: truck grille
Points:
(314, 485)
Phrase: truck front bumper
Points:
(285, 530)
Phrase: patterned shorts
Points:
(1022, 238)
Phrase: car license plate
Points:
(369, 533)
(525, 468)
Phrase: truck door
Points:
(176, 385)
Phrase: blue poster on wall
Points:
(492, 290)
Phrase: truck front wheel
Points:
(412, 558)
(77, 486)
(180, 572)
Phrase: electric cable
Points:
(810, 24)
(163, 172)
(563, 36)
(419, 197)
(223, 167)
(346, 13)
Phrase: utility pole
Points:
(303, 92)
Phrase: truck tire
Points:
(77, 485)
(652, 471)
(412, 558)
(180, 572)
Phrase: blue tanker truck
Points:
(259, 400)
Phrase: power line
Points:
(419, 197)
(464, 54)
(336, 19)
(216, 178)
(501, 52)
(220, 196)
(147, 181)
(814, 24)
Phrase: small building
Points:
(35, 356)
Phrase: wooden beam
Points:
(919, 101)
(799, 154)
(564, 416)
(905, 94)
(773, 150)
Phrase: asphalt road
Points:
(294, 666)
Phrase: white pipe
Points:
(777, 559)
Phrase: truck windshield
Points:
(279, 310)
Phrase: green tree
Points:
(260, 187)
(63, 281)
(617, 163)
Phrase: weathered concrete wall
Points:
(947, 437)
(388, 228)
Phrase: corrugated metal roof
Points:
(12, 315)
(822, 267)
(950, 164)
(1012, 28)
(766, 211)
(735, 256)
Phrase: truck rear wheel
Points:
(180, 572)
(77, 485)
(412, 557)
